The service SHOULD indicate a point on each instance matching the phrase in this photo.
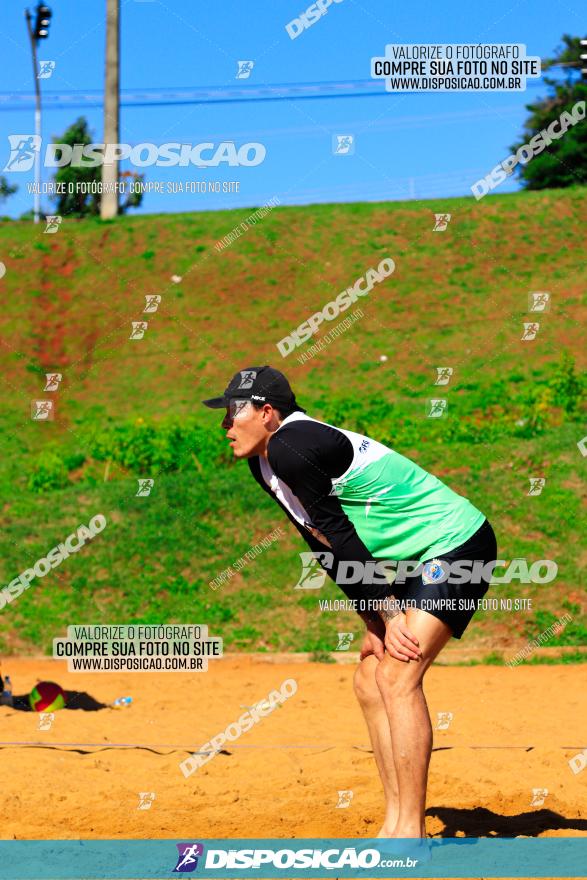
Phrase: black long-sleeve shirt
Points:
(306, 455)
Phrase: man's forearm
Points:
(381, 609)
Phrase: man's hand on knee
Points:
(373, 644)
(400, 642)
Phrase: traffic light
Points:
(41, 31)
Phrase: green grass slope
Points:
(130, 409)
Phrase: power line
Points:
(11, 101)
(209, 95)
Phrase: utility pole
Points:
(109, 198)
(583, 58)
(39, 32)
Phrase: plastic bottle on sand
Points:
(6, 697)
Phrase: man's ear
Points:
(271, 413)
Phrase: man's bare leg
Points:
(371, 702)
(400, 685)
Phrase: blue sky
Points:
(422, 145)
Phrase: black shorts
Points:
(482, 547)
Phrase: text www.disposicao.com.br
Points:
(138, 664)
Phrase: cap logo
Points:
(247, 379)
(256, 397)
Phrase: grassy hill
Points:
(130, 408)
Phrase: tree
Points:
(84, 200)
(564, 161)
(73, 200)
(5, 189)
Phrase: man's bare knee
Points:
(364, 681)
(395, 678)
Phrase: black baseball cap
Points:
(262, 384)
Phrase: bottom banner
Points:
(282, 858)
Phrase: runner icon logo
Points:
(538, 796)
(188, 857)
(313, 574)
(444, 719)
(46, 720)
(344, 799)
(344, 641)
(146, 798)
(53, 380)
(247, 379)
(441, 222)
(245, 69)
